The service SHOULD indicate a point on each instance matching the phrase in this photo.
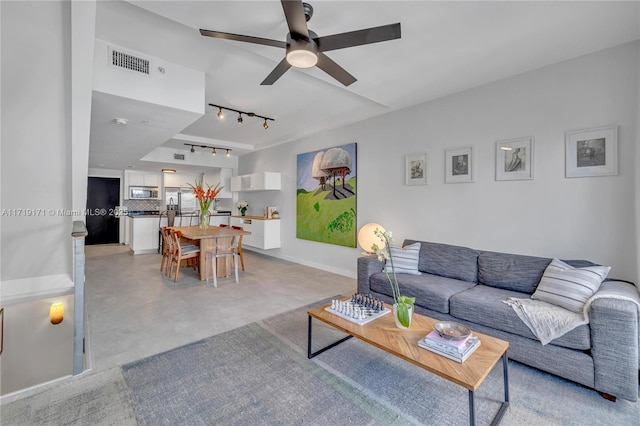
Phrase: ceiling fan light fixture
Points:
(302, 53)
(302, 58)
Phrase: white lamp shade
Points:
(366, 237)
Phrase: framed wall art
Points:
(459, 165)
(416, 169)
(514, 159)
(591, 152)
(326, 195)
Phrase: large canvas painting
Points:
(326, 197)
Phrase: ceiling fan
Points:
(305, 49)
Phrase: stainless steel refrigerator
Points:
(181, 199)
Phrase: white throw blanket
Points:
(548, 322)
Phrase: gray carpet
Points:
(259, 375)
(97, 399)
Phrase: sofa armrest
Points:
(367, 266)
(615, 339)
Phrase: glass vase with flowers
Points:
(205, 199)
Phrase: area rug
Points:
(259, 375)
(95, 399)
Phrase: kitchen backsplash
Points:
(142, 204)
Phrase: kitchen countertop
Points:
(254, 217)
(221, 213)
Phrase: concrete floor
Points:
(134, 311)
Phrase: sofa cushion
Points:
(405, 259)
(455, 262)
(484, 305)
(568, 287)
(511, 271)
(431, 291)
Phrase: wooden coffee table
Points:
(383, 334)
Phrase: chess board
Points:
(367, 316)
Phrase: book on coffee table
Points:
(457, 350)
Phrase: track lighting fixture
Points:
(240, 119)
(212, 148)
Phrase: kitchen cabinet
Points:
(127, 229)
(219, 220)
(259, 181)
(144, 234)
(265, 233)
(179, 180)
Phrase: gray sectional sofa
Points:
(469, 286)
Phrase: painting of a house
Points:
(326, 195)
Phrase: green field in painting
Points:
(327, 221)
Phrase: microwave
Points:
(143, 193)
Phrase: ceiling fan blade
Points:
(358, 38)
(277, 72)
(327, 65)
(247, 39)
(294, 14)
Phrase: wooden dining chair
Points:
(182, 251)
(221, 250)
(166, 248)
(240, 246)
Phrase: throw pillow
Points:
(405, 259)
(568, 287)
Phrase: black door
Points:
(103, 195)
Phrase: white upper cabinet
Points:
(143, 178)
(259, 181)
(179, 180)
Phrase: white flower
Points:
(243, 204)
(384, 255)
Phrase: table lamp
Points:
(367, 238)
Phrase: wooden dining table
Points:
(207, 239)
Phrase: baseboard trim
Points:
(322, 267)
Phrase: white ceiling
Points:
(446, 47)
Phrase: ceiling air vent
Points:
(130, 62)
(178, 156)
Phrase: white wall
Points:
(550, 216)
(43, 154)
(36, 139)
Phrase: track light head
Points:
(213, 152)
(228, 154)
(193, 149)
(240, 119)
